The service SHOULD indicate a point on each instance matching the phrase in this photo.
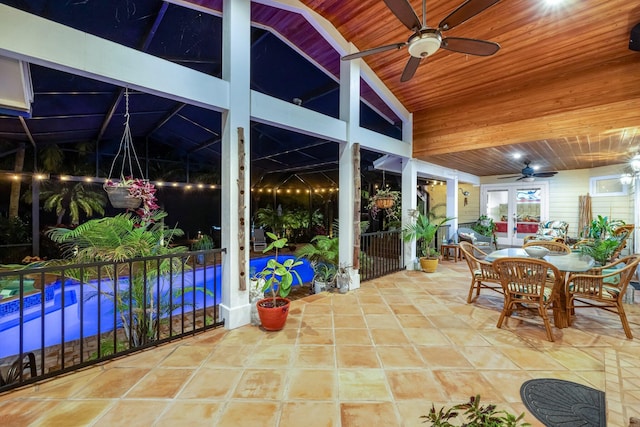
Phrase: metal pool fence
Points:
(60, 318)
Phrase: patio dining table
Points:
(567, 263)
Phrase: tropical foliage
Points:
(278, 276)
(392, 214)
(484, 226)
(141, 189)
(601, 241)
(424, 230)
(288, 223)
(323, 254)
(602, 227)
(72, 201)
(118, 239)
(472, 414)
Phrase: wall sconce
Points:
(465, 194)
(635, 163)
(626, 178)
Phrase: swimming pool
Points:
(88, 312)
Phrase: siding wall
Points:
(565, 189)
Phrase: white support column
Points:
(350, 113)
(409, 202)
(452, 205)
(235, 308)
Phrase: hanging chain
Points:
(126, 146)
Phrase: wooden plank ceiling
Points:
(564, 89)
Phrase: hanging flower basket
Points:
(384, 202)
(129, 192)
(120, 197)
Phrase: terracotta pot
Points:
(273, 318)
(429, 265)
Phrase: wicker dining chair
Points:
(483, 275)
(604, 288)
(525, 283)
(552, 245)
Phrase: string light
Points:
(295, 190)
(89, 179)
(185, 185)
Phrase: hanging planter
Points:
(120, 197)
(130, 192)
(390, 203)
(385, 202)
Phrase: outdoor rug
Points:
(564, 403)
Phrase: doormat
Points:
(559, 403)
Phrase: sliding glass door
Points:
(515, 208)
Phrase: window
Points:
(600, 186)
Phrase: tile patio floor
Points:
(377, 356)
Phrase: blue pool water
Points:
(96, 313)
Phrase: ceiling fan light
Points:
(635, 163)
(425, 44)
(529, 179)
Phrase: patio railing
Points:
(381, 253)
(56, 319)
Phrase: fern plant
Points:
(118, 239)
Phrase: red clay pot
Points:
(273, 318)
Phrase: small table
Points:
(566, 263)
(446, 248)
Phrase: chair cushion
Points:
(468, 236)
(552, 229)
(545, 295)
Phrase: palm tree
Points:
(65, 200)
(118, 239)
(14, 197)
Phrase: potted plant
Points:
(485, 227)
(600, 250)
(602, 227)
(278, 278)
(389, 202)
(601, 242)
(424, 230)
(323, 254)
(255, 294)
(343, 279)
(203, 243)
(130, 193)
(324, 276)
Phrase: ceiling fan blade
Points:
(371, 51)
(410, 68)
(509, 177)
(405, 13)
(470, 46)
(544, 174)
(465, 11)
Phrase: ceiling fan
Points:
(528, 174)
(425, 41)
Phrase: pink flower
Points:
(141, 189)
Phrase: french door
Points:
(515, 208)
